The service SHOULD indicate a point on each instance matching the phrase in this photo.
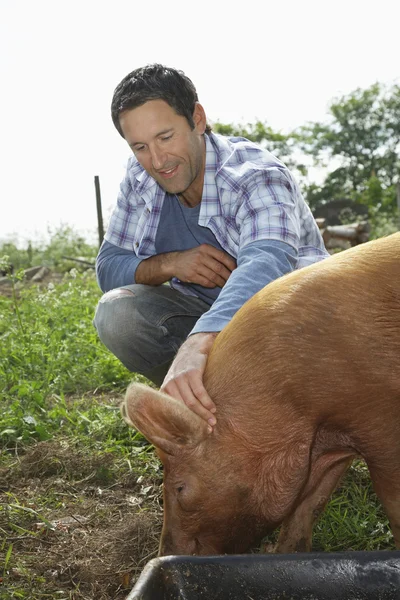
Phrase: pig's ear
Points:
(166, 422)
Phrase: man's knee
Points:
(113, 312)
(131, 323)
(121, 328)
(115, 295)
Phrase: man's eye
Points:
(138, 148)
(167, 137)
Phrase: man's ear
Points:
(199, 118)
(166, 422)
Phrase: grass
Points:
(80, 492)
(354, 518)
(49, 351)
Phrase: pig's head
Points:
(209, 503)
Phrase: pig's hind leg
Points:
(296, 531)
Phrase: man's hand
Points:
(184, 380)
(204, 265)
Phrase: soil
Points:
(74, 533)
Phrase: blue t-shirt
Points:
(179, 230)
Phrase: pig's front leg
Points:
(296, 530)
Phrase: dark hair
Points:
(155, 82)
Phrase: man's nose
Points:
(158, 158)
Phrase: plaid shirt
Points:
(248, 195)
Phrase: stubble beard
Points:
(177, 188)
(191, 170)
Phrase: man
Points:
(216, 218)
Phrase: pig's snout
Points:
(169, 546)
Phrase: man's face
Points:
(166, 147)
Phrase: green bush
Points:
(63, 241)
(382, 223)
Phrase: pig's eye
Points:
(180, 488)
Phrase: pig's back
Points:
(322, 343)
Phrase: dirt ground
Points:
(76, 531)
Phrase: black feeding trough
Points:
(311, 576)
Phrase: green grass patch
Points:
(354, 518)
(50, 351)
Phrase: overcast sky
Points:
(280, 62)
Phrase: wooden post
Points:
(99, 210)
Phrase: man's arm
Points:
(115, 266)
(259, 263)
(204, 265)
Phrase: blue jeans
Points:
(144, 326)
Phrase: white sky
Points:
(281, 62)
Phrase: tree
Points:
(283, 146)
(363, 134)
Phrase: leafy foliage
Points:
(364, 132)
(64, 241)
(362, 140)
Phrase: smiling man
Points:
(215, 218)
